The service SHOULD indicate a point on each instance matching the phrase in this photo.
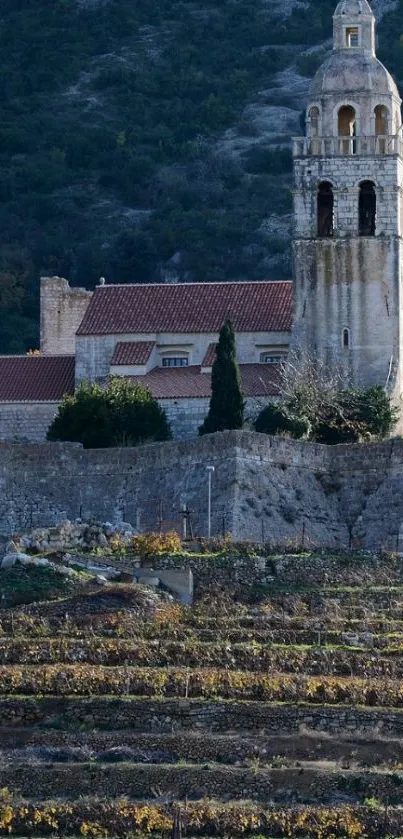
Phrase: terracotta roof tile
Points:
(189, 307)
(36, 378)
(191, 383)
(209, 358)
(132, 352)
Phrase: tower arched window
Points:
(381, 120)
(367, 209)
(345, 339)
(325, 211)
(313, 117)
(347, 127)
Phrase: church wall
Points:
(187, 415)
(29, 421)
(94, 352)
(26, 421)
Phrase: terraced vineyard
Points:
(270, 709)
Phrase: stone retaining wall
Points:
(270, 490)
(138, 781)
(167, 715)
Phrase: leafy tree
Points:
(226, 403)
(122, 414)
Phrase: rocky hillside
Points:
(150, 140)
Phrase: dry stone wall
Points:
(270, 490)
(165, 715)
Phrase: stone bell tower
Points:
(348, 206)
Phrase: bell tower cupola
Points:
(354, 26)
(348, 210)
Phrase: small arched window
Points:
(325, 210)
(313, 118)
(367, 209)
(381, 120)
(345, 339)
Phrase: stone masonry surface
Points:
(265, 489)
(25, 422)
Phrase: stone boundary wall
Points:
(272, 490)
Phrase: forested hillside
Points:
(149, 139)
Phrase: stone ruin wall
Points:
(274, 490)
(62, 310)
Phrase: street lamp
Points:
(210, 470)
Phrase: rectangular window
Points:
(175, 362)
(353, 36)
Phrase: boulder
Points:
(40, 562)
(11, 559)
(62, 569)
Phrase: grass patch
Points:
(22, 585)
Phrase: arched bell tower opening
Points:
(348, 210)
(313, 120)
(346, 121)
(381, 115)
(347, 127)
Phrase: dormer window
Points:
(353, 36)
(175, 361)
(272, 357)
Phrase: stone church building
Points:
(343, 305)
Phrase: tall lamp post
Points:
(210, 470)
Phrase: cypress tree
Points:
(226, 403)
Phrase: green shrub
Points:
(316, 405)
(122, 414)
(274, 420)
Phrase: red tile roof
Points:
(188, 307)
(132, 352)
(190, 383)
(209, 358)
(36, 378)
